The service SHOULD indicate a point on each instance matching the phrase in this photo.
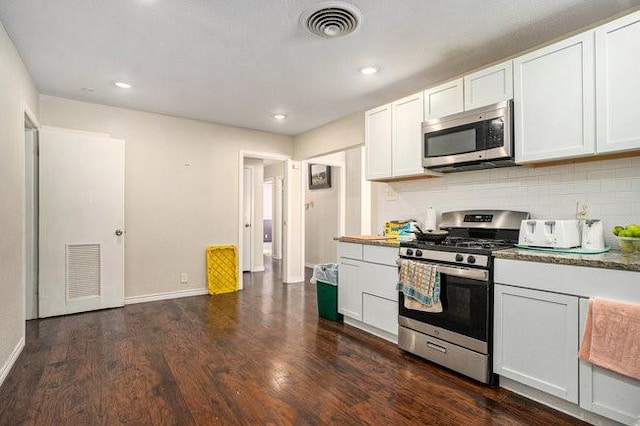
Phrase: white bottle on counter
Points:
(430, 221)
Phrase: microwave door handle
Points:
(474, 274)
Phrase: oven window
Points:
(465, 308)
(450, 142)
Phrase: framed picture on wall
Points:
(319, 176)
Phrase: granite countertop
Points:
(613, 259)
(384, 243)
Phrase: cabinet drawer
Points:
(380, 280)
(380, 313)
(350, 250)
(381, 255)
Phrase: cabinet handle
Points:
(437, 347)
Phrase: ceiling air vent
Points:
(331, 19)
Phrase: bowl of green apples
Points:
(628, 237)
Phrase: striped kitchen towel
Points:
(419, 281)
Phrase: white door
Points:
(618, 84)
(247, 205)
(293, 256)
(277, 218)
(488, 86)
(444, 100)
(377, 137)
(81, 225)
(554, 101)
(31, 219)
(536, 339)
(406, 143)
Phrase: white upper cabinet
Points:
(444, 99)
(393, 139)
(377, 136)
(554, 101)
(488, 86)
(618, 84)
(406, 143)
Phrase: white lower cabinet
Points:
(536, 339)
(367, 294)
(539, 314)
(605, 392)
(350, 288)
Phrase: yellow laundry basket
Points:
(222, 269)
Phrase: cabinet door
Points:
(605, 392)
(554, 101)
(377, 137)
(380, 313)
(350, 288)
(488, 86)
(407, 114)
(536, 339)
(443, 100)
(618, 84)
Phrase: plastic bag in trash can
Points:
(325, 272)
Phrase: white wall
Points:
(338, 135)
(611, 189)
(353, 165)
(16, 90)
(322, 220)
(181, 189)
(274, 170)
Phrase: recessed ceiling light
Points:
(122, 85)
(370, 70)
(279, 116)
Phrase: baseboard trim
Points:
(309, 265)
(6, 368)
(165, 296)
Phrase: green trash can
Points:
(326, 279)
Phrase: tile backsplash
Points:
(609, 188)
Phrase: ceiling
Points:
(238, 62)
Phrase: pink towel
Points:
(611, 337)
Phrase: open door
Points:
(247, 219)
(293, 247)
(81, 225)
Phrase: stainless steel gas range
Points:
(459, 337)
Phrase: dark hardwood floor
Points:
(260, 356)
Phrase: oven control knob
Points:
(419, 253)
(459, 258)
(471, 259)
(409, 252)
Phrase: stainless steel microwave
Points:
(476, 139)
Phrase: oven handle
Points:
(474, 274)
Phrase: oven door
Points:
(464, 320)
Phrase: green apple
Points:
(616, 229)
(633, 230)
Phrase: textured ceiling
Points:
(239, 61)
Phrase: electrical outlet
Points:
(391, 194)
(184, 278)
(582, 211)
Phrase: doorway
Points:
(287, 228)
